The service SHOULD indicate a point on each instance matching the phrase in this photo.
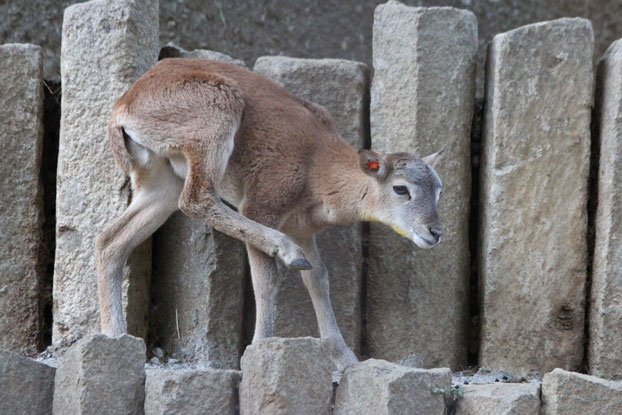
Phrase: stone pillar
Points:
(342, 88)
(286, 376)
(533, 218)
(21, 203)
(171, 50)
(197, 291)
(569, 393)
(26, 386)
(101, 375)
(106, 46)
(191, 392)
(605, 346)
(382, 388)
(422, 101)
(500, 399)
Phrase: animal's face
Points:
(408, 189)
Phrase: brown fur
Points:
(191, 132)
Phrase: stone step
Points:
(191, 391)
(26, 386)
(382, 388)
(286, 376)
(569, 393)
(499, 399)
(101, 375)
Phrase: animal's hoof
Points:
(300, 264)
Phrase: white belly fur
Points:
(230, 189)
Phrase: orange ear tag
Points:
(372, 164)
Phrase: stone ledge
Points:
(382, 388)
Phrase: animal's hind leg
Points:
(154, 201)
(207, 164)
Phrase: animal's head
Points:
(407, 191)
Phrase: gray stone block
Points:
(605, 325)
(382, 388)
(500, 399)
(533, 197)
(422, 101)
(191, 392)
(106, 46)
(569, 393)
(197, 293)
(286, 376)
(21, 203)
(171, 50)
(26, 386)
(342, 88)
(101, 375)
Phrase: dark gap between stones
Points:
(365, 227)
(473, 328)
(51, 131)
(248, 310)
(363, 301)
(592, 204)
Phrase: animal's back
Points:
(278, 133)
(268, 107)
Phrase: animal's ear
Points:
(373, 164)
(432, 159)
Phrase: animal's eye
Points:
(401, 190)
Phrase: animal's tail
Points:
(116, 138)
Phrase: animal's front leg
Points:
(263, 274)
(200, 201)
(316, 281)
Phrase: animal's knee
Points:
(317, 279)
(197, 203)
(101, 242)
(107, 251)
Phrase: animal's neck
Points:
(341, 185)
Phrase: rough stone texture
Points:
(173, 51)
(382, 388)
(500, 399)
(191, 392)
(197, 293)
(342, 88)
(101, 375)
(26, 386)
(421, 101)
(569, 393)
(304, 28)
(605, 345)
(286, 376)
(533, 197)
(107, 45)
(21, 203)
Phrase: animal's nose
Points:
(436, 232)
